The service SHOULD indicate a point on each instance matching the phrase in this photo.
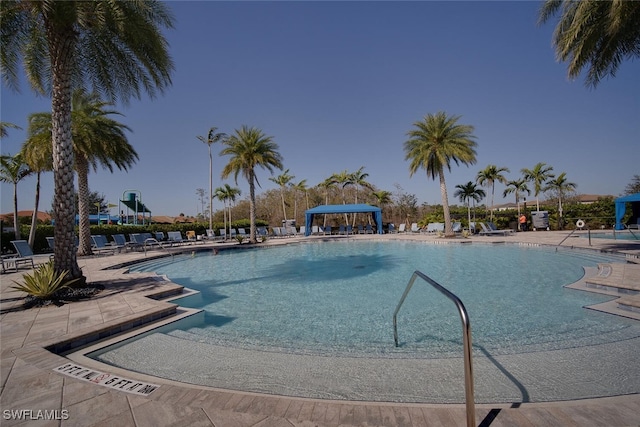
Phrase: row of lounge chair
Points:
(438, 228)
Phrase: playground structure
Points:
(132, 210)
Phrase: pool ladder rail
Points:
(466, 338)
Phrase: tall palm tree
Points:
(383, 198)
(435, 142)
(468, 192)
(594, 34)
(488, 177)
(299, 187)
(538, 175)
(97, 140)
(212, 137)
(343, 179)
(249, 148)
(516, 186)
(39, 161)
(13, 169)
(327, 185)
(69, 45)
(227, 194)
(561, 186)
(283, 180)
(359, 179)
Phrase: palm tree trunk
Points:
(448, 229)
(284, 210)
(252, 207)
(469, 213)
(84, 225)
(61, 47)
(224, 216)
(210, 189)
(16, 223)
(34, 217)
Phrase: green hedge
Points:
(43, 231)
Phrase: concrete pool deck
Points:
(29, 383)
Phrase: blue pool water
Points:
(339, 298)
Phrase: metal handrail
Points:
(569, 235)
(466, 338)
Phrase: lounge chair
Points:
(51, 243)
(223, 233)
(175, 237)
(368, 229)
(101, 245)
(392, 229)
(232, 233)
(25, 254)
(315, 230)
(277, 232)
(456, 227)
(486, 231)
(120, 242)
(493, 227)
(342, 230)
(303, 230)
(402, 228)
(435, 227)
(415, 228)
(327, 230)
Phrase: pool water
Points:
(339, 298)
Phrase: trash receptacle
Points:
(540, 220)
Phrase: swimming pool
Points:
(335, 301)
(618, 235)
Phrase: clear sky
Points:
(339, 84)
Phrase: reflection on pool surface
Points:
(339, 297)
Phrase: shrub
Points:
(44, 283)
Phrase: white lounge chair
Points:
(486, 231)
(402, 228)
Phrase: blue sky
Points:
(339, 84)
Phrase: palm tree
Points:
(358, 179)
(249, 147)
(39, 161)
(382, 197)
(433, 145)
(488, 177)
(12, 170)
(561, 186)
(594, 34)
(301, 186)
(517, 186)
(467, 192)
(97, 140)
(538, 175)
(283, 180)
(212, 137)
(344, 179)
(69, 45)
(327, 185)
(227, 194)
(6, 125)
